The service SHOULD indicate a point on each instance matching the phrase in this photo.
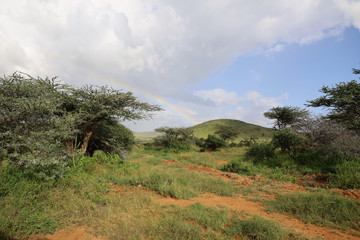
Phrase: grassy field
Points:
(160, 195)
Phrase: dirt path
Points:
(77, 233)
(240, 204)
(237, 203)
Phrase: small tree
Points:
(343, 101)
(227, 133)
(176, 138)
(287, 140)
(213, 143)
(286, 116)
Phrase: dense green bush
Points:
(260, 152)
(213, 143)
(173, 139)
(236, 167)
(347, 175)
(287, 140)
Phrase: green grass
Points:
(200, 222)
(29, 205)
(173, 182)
(257, 228)
(83, 197)
(319, 208)
(245, 130)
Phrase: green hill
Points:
(245, 130)
(146, 136)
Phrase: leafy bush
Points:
(173, 139)
(347, 175)
(260, 152)
(112, 137)
(287, 140)
(236, 167)
(213, 143)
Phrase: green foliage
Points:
(257, 228)
(317, 208)
(347, 175)
(227, 132)
(286, 116)
(287, 140)
(213, 143)
(261, 151)
(343, 102)
(111, 137)
(174, 139)
(41, 119)
(22, 208)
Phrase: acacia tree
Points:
(175, 138)
(39, 117)
(343, 101)
(286, 116)
(227, 132)
(95, 106)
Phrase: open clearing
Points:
(249, 199)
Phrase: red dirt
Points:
(78, 233)
(252, 208)
(236, 203)
(350, 193)
(240, 204)
(221, 162)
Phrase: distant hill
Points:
(245, 130)
(146, 136)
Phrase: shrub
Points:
(173, 139)
(347, 175)
(213, 143)
(236, 167)
(261, 152)
(329, 138)
(287, 140)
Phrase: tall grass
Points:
(319, 208)
(257, 228)
(172, 182)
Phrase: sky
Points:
(200, 59)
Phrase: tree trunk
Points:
(86, 141)
(69, 146)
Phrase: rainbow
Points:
(152, 96)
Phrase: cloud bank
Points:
(164, 47)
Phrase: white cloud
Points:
(220, 97)
(158, 45)
(253, 107)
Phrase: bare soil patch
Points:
(252, 208)
(77, 233)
